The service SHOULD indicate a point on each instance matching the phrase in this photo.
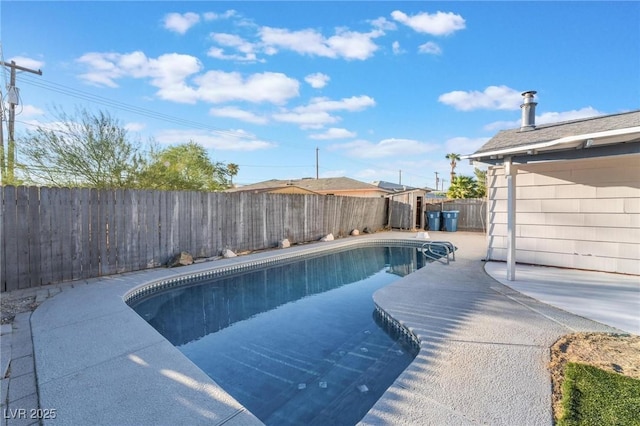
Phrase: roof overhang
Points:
(588, 145)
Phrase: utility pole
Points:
(437, 180)
(13, 98)
(317, 149)
(399, 177)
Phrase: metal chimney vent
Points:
(528, 108)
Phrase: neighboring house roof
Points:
(395, 187)
(322, 186)
(278, 189)
(567, 135)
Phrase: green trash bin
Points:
(450, 220)
(433, 219)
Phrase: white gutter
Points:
(566, 140)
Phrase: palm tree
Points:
(454, 158)
(463, 187)
(481, 179)
(232, 170)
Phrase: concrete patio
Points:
(483, 357)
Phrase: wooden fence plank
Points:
(11, 238)
(127, 239)
(58, 228)
(46, 256)
(22, 242)
(34, 237)
(3, 233)
(76, 241)
(85, 214)
(163, 227)
(65, 227)
(153, 242)
(94, 246)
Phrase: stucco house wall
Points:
(582, 214)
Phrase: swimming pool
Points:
(298, 342)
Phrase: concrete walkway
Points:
(483, 358)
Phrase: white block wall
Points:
(582, 214)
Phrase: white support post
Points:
(510, 171)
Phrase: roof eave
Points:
(568, 142)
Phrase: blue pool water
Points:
(296, 343)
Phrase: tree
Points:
(453, 158)
(81, 150)
(481, 180)
(232, 170)
(183, 167)
(463, 187)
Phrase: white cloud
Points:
(180, 23)
(493, 98)
(135, 127)
(546, 118)
(30, 111)
(430, 48)
(212, 16)
(354, 45)
(438, 24)
(555, 117)
(23, 61)
(354, 103)
(246, 48)
(344, 44)
(306, 119)
(464, 145)
(317, 80)
(333, 133)
(169, 74)
(239, 114)
(383, 24)
(384, 149)
(315, 114)
(233, 140)
(397, 50)
(219, 86)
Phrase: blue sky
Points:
(384, 90)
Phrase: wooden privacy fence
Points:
(400, 215)
(50, 235)
(472, 214)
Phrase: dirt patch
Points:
(9, 307)
(617, 353)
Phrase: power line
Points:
(79, 94)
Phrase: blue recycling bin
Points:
(433, 218)
(450, 220)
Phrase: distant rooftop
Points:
(321, 185)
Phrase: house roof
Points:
(602, 130)
(395, 187)
(323, 185)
